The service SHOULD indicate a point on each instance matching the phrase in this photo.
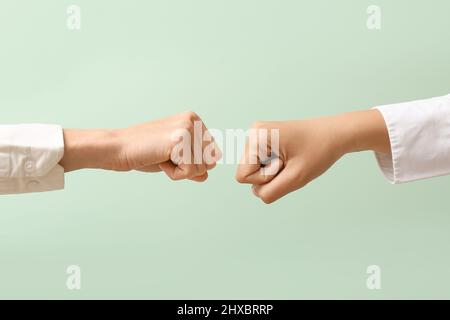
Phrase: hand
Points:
(163, 145)
(306, 149)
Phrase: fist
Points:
(281, 157)
(180, 146)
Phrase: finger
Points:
(189, 164)
(211, 166)
(200, 174)
(198, 146)
(185, 171)
(200, 178)
(168, 168)
(266, 173)
(285, 182)
(249, 164)
(211, 152)
(178, 172)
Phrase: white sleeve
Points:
(29, 157)
(419, 133)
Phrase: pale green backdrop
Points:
(234, 62)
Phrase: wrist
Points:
(93, 149)
(363, 131)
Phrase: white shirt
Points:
(419, 134)
(29, 157)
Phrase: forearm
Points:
(92, 149)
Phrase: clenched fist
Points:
(300, 151)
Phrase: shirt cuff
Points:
(29, 157)
(419, 133)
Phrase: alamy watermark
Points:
(203, 146)
(373, 281)
(73, 20)
(373, 17)
(73, 281)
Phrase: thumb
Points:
(285, 182)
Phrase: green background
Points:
(234, 62)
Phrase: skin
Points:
(146, 147)
(308, 148)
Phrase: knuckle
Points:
(211, 165)
(241, 178)
(172, 177)
(201, 170)
(191, 115)
(190, 170)
(258, 125)
(266, 198)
